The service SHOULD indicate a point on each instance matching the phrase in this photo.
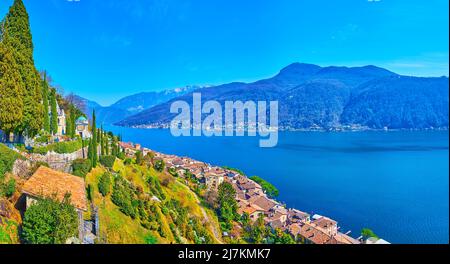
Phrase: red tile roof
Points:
(47, 183)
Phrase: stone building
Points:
(82, 127)
(49, 183)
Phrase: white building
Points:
(82, 127)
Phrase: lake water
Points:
(395, 183)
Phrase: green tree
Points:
(268, 188)
(73, 118)
(45, 103)
(159, 165)
(245, 220)
(16, 27)
(11, 91)
(66, 222)
(106, 143)
(368, 233)
(94, 155)
(90, 147)
(69, 125)
(102, 143)
(9, 188)
(104, 184)
(281, 237)
(81, 167)
(226, 200)
(139, 157)
(150, 239)
(53, 112)
(258, 232)
(227, 195)
(50, 222)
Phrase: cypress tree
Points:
(82, 148)
(94, 141)
(102, 141)
(11, 89)
(73, 121)
(69, 125)
(53, 113)
(17, 27)
(90, 149)
(113, 146)
(107, 144)
(45, 103)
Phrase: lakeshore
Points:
(253, 200)
(360, 179)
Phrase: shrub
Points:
(122, 196)
(173, 172)
(40, 150)
(42, 139)
(90, 192)
(9, 188)
(128, 161)
(7, 159)
(155, 188)
(368, 233)
(50, 222)
(121, 155)
(104, 184)
(139, 158)
(166, 181)
(270, 190)
(107, 161)
(159, 165)
(81, 167)
(67, 146)
(59, 147)
(150, 239)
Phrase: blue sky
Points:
(106, 49)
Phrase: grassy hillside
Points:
(8, 197)
(145, 206)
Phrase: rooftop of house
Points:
(345, 239)
(294, 229)
(297, 214)
(48, 183)
(126, 145)
(250, 185)
(315, 235)
(248, 209)
(254, 192)
(177, 162)
(281, 210)
(277, 224)
(262, 202)
(325, 222)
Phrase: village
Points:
(251, 198)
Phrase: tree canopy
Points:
(50, 222)
(20, 82)
(16, 28)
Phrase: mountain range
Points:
(131, 105)
(311, 96)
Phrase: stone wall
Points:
(61, 162)
(56, 161)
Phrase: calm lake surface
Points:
(395, 183)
